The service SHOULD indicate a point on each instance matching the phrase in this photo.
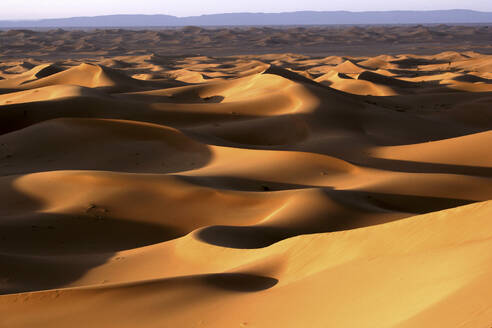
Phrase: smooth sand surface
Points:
(276, 190)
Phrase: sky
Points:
(37, 9)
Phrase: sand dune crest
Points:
(274, 190)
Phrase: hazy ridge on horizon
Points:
(244, 19)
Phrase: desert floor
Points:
(263, 190)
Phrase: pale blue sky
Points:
(34, 9)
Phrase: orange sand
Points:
(246, 191)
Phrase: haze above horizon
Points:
(33, 9)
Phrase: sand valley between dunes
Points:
(274, 190)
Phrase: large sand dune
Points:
(276, 190)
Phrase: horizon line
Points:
(245, 12)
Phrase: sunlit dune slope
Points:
(276, 190)
(397, 275)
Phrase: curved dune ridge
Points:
(247, 191)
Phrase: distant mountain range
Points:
(254, 19)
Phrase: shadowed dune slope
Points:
(276, 190)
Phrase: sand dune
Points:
(276, 190)
(342, 40)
